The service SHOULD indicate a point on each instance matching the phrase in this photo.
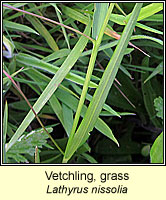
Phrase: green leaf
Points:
(158, 103)
(17, 5)
(100, 12)
(89, 97)
(58, 54)
(18, 27)
(68, 118)
(154, 18)
(43, 31)
(5, 122)
(52, 86)
(148, 11)
(26, 144)
(149, 28)
(105, 84)
(37, 155)
(157, 70)
(72, 102)
(37, 63)
(96, 45)
(149, 95)
(89, 158)
(74, 14)
(156, 152)
(119, 19)
(56, 7)
(136, 37)
(60, 20)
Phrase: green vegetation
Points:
(83, 83)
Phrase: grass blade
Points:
(101, 93)
(35, 62)
(148, 11)
(33, 111)
(157, 70)
(53, 85)
(5, 121)
(60, 20)
(72, 102)
(43, 31)
(100, 12)
(18, 27)
(136, 37)
(90, 70)
(149, 95)
(37, 156)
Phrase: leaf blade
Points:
(101, 93)
(53, 85)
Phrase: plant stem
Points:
(89, 73)
(50, 20)
(33, 111)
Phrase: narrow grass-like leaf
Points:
(47, 19)
(17, 5)
(6, 79)
(37, 63)
(154, 18)
(147, 28)
(5, 123)
(58, 54)
(68, 118)
(56, 106)
(148, 11)
(121, 20)
(60, 20)
(33, 111)
(22, 49)
(119, 8)
(53, 85)
(136, 37)
(100, 12)
(43, 31)
(157, 70)
(149, 95)
(38, 77)
(83, 19)
(37, 155)
(18, 27)
(89, 98)
(90, 70)
(74, 14)
(72, 102)
(89, 158)
(124, 70)
(142, 69)
(65, 52)
(105, 84)
(33, 46)
(28, 10)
